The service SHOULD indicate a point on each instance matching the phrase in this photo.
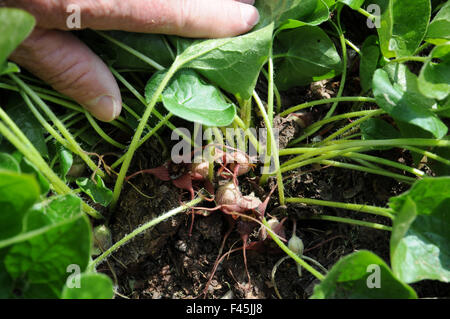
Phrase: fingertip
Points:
(105, 108)
(250, 15)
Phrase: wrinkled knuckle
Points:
(73, 77)
(93, 9)
(184, 15)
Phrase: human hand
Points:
(71, 68)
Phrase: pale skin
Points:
(71, 68)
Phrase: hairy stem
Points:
(141, 229)
(352, 222)
(137, 136)
(385, 212)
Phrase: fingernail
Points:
(105, 108)
(250, 15)
(252, 2)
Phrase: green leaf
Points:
(52, 211)
(97, 191)
(6, 282)
(354, 4)
(231, 63)
(62, 158)
(306, 55)
(153, 46)
(353, 277)
(434, 78)
(16, 26)
(9, 163)
(320, 14)
(39, 265)
(19, 112)
(27, 167)
(9, 68)
(278, 11)
(190, 98)
(18, 192)
(377, 129)
(439, 28)
(401, 99)
(403, 25)
(370, 54)
(420, 240)
(440, 168)
(92, 286)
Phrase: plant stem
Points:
(353, 46)
(144, 102)
(307, 160)
(24, 146)
(270, 90)
(428, 154)
(350, 125)
(275, 89)
(340, 117)
(385, 212)
(93, 264)
(44, 123)
(102, 133)
(352, 222)
(344, 62)
(291, 254)
(246, 112)
(409, 59)
(366, 14)
(273, 148)
(137, 136)
(326, 101)
(344, 72)
(383, 161)
(422, 47)
(248, 133)
(405, 179)
(75, 147)
(134, 52)
(343, 144)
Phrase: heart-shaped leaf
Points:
(402, 100)
(370, 54)
(420, 240)
(434, 78)
(278, 11)
(354, 4)
(16, 26)
(233, 64)
(362, 275)
(95, 190)
(92, 286)
(304, 55)
(18, 192)
(439, 28)
(403, 25)
(192, 99)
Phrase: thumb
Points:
(71, 68)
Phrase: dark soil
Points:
(166, 262)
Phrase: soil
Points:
(168, 262)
